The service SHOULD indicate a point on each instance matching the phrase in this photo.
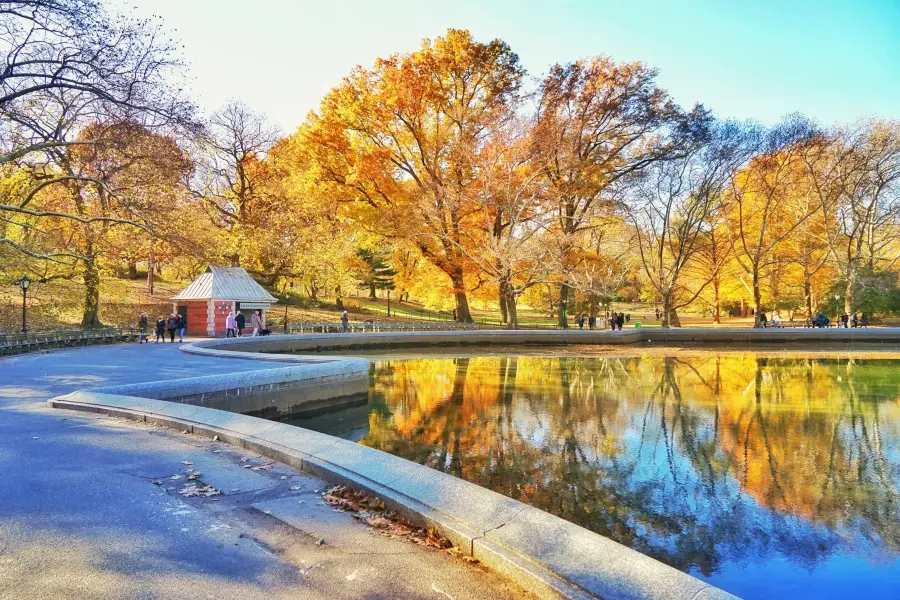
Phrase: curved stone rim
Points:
(546, 554)
(267, 348)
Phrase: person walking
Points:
(160, 329)
(256, 322)
(172, 326)
(143, 323)
(182, 327)
(763, 322)
(628, 318)
(845, 319)
(854, 320)
(864, 321)
(345, 321)
(580, 320)
(240, 322)
(230, 325)
(620, 320)
(592, 322)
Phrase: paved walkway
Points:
(89, 506)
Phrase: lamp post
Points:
(24, 283)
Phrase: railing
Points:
(19, 343)
(375, 326)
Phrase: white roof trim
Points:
(225, 283)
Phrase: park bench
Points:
(376, 326)
(791, 324)
(19, 343)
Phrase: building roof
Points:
(225, 283)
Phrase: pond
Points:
(769, 475)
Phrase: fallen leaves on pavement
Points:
(193, 490)
(371, 510)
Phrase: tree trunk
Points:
(757, 299)
(504, 298)
(132, 269)
(462, 302)
(91, 314)
(851, 285)
(563, 320)
(674, 321)
(717, 310)
(339, 298)
(667, 311)
(150, 270)
(512, 313)
(807, 295)
(372, 293)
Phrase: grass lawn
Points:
(57, 305)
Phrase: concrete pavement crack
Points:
(519, 512)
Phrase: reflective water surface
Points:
(768, 476)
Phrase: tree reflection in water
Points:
(702, 462)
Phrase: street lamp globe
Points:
(25, 282)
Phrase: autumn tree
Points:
(760, 197)
(599, 122)
(713, 255)
(397, 140)
(127, 178)
(71, 73)
(232, 176)
(856, 179)
(673, 202)
(504, 234)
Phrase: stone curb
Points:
(316, 373)
(546, 554)
(267, 348)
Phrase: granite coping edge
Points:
(255, 348)
(333, 370)
(518, 559)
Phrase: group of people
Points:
(235, 324)
(613, 321)
(174, 324)
(843, 320)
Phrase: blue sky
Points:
(833, 61)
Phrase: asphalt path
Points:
(92, 507)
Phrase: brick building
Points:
(208, 299)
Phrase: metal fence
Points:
(376, 326)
